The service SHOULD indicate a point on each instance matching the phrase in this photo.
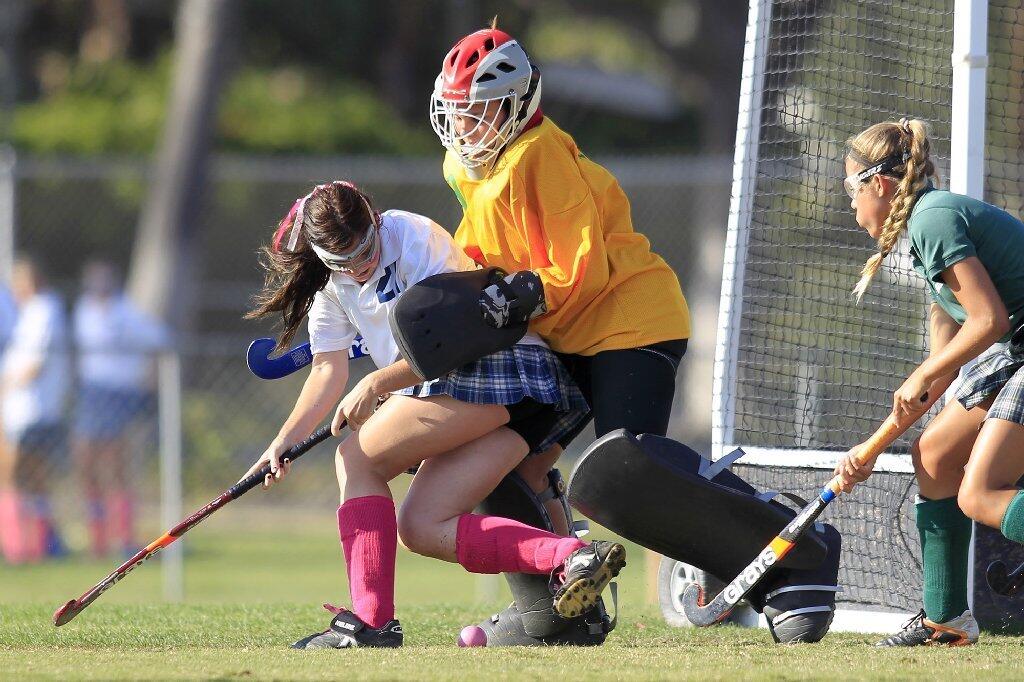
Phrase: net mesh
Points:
(71, 210)
(811, 369)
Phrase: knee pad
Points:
(515, 499)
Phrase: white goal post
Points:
(802, 372)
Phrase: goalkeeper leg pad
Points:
(661, 494)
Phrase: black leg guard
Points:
(531, 620)
(663, 495)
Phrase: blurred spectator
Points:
(8, 314)
(116, 346)
(34, 383)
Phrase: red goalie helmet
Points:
(485, 95)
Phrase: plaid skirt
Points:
(999, 372)
(509, 376)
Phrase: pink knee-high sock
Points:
(492, 544)
(12, 538)
(369, 538)
(121, 517)
(97, 513)
(37, 519)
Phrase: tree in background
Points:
(168, 244)
(326, 78)
(317, 76)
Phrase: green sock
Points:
(945, 543)
(1013, 520)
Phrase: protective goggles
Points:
(356, 260)
(852, 183)
(359, 258)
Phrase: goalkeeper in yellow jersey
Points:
(560, 224)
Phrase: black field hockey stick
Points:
(76, 606)
(703, 614)
(1004, 582)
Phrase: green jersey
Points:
(946, 228)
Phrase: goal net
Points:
(802, 371)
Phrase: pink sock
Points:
(121, 516)
(492, 544)
(12, 539)
(97, 526)
(369, 538)
(37, 521)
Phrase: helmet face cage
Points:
(482, 137)
(486, 75)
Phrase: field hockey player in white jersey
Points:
(337, 260)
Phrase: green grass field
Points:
(252, 593)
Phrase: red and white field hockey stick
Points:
(701, 614)
(76, 606)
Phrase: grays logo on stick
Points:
(735, 590)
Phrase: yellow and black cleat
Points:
(586, 572)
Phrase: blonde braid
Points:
(908, 138)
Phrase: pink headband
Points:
(299, 208)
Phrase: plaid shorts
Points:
(1000, 372)
(510, 376)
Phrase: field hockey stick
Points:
(257, 357)
(76, 606)
(1002, 582)
(702, 615)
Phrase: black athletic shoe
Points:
(348, 631)
(918, 631)
(584, 575)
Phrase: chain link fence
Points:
(211, 409)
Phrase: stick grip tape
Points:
(292, 453)
(882, 438)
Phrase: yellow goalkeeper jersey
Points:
(546, 207)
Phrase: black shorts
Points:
(627, 389)
(532, 420)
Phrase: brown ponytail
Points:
(906, 139)
(336, 216)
